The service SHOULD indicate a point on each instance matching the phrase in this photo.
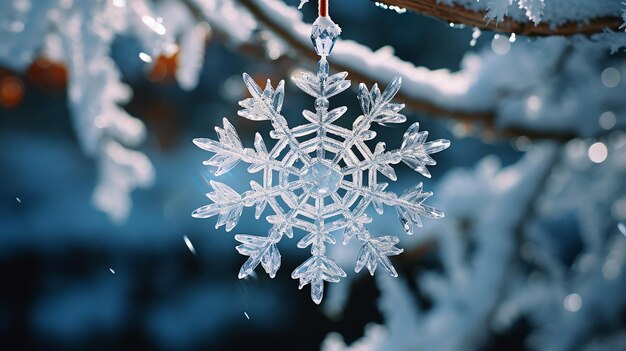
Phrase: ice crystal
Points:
(319, 178)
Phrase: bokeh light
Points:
(597, 152)
(11, 91)
(500, 44)
(610, 77)
(607, 120)
(573, 302)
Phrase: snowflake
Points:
(319, 178)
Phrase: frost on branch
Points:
(319, 178)
(533, 8)
(497, 9)
(80, 35)
(553, 12)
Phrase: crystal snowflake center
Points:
(320, 178)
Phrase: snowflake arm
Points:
(377, 108)
(409, 205)
(354, 220)
(260, 250)
(227, 203)
(315, 271)
(229, 151)
(266, 105)
(283, 223)
(376, 251)
(416, 153)
(263, 250)
(322, 85)
(318, 268)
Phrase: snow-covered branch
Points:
(529, 17)
(80, 35)
(502, 92)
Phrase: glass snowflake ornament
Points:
(319, 178)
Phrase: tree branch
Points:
(482, 120)
(463, 15)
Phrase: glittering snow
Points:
(189, 244)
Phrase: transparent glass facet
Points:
(324, 34)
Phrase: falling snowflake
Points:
(302, 3)
(319, 178)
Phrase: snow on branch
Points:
(80, 35)
(530, 17)
(505, 94)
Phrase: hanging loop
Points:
(323, 8)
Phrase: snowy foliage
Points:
(497, 9)
(553, 12)
(81, 37)
(533, 8)
(327, 177)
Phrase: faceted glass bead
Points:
(324, 34)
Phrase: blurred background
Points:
(98, 249)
